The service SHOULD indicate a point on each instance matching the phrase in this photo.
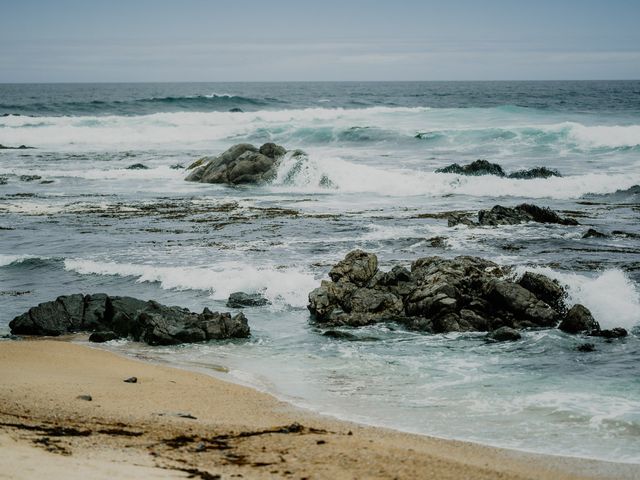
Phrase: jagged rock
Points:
(21, 147)
(241, 300)
(121, 317)
(593, 233)
(437, 295)
(137, 166)
(500, 215)
(609, 334)
(548, 290)
(479, 167)
(579, 320)
(504, 334)
(483, 167)
(537, 172)
(358, 267)
(240, 164)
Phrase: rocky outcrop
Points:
(240, 164)
(483, 167)
(500, 215)
(438, 295)
(126, 317)
(579, 320)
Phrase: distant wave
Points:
(469, 130)
(142, 106)
(25, 261)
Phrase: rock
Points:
(236, 110)
(578, 320)
(3, 180)
(537, 172)
(586, 347)
(176, 166)
(592, 233)
(272, 150)
(122, 317)
(524, 305)
(504, 334)
(240, 164)
(547, 290)
(338, 334)
(29, 178)
(101, 337)
(500, 215)
(21, 147)
(241, 300)
(437, 295)
(479, 167)
(609, 334)
(137, 166)
(86, 398)
(438, 242)
(46, 182)
(131, 380)
(358, 267)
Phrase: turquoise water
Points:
(100, 227)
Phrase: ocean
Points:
(74, 218)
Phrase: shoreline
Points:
(237, 430)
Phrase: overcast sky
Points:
(272, 40)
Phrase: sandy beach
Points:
(178, 424)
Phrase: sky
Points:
(286, 40)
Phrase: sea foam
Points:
(612, 297)
(282, 286)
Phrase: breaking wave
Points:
(282, 286)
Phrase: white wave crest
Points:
(284, 286)
(605, 136)
(9, 259)
(320, 173)
(612, 297)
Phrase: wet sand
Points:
(179, 424)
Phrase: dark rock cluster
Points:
(240, 164)
(125, 317)
(500, 215)
(483, 167)
(441, 295)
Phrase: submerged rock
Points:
(525, 212)
(504, 334)
(479, 167)
(29, 178)
(536, 172)
(500, 215)
(483, 167)
(609, 334)
(126, 317)
(138, 166)
(240, 164)
(241, 299)
(593, 233)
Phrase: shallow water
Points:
(368, 183)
